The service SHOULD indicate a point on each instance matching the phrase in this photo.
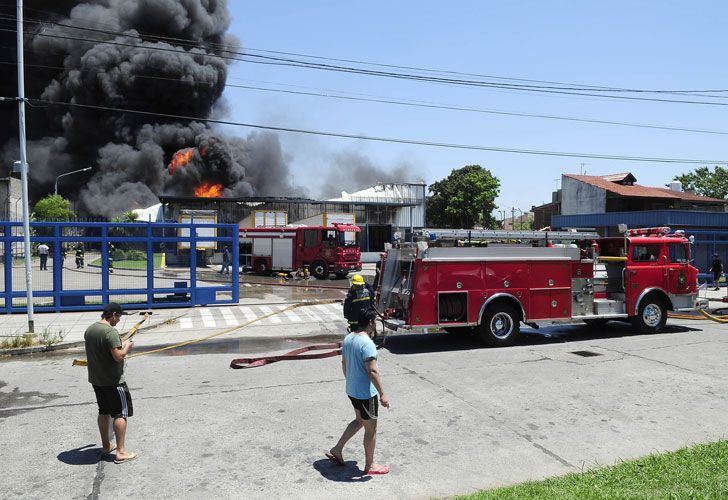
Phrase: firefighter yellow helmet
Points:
(357, 280)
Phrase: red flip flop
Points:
(334, 458)
(382, 470)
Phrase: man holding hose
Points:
(105, 353)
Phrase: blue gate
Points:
(139, 265)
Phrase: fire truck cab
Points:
(323, 249)
(491, 291)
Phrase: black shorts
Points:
(368, 408)
(114, 400)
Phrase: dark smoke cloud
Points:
(352, 171)
(130, 152)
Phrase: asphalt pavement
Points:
(463, 417)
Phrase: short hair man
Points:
(105, 353)
(365, 391)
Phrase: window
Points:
(328, 238)
(678, 253)
(645, 253)
(309, 238)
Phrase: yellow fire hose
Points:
(703, 312)
(83, 362)
(128, 335)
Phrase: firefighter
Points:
(79, 256)
(359, 300)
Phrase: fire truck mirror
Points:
(622, 228)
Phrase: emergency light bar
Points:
(648, 231)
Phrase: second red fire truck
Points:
(323, 249)
(491, 291)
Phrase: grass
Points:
(132, 264)
(47, 337)
(699, 471)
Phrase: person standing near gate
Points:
(225, 261)
(43, 254)
(105, 353)
(717, 269)
(110, 259)
(365, 391)
(79, 256)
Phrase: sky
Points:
(651, 45)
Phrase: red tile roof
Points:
(637, 191)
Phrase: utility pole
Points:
(24, 165)
(513, 218)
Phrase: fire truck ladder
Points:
(490, 234)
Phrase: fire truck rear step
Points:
(603, 307)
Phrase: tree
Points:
(706, 183)
(464, 198)
(53, 207)
(128, 216)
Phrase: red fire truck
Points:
(325, 250)
(490, 291)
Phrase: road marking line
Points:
(293, 316)
(308, 312)
(327, 312)
(248, 285)
(248, 313)
(207, 318)
(185, 323)
(267, 310)
(228, 316)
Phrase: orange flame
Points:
(208, 190)
(181, 158)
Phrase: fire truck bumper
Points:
(347, 268)
(697, 304)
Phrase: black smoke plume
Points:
(161, 56)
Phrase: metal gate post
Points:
(57, 267)
(8, 248)
(104, 260)
(235, 230)
(193, 262)
(150, 267)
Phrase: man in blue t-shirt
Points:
(364, 388)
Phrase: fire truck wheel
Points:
(320, 270)
(651, 316)
(500, 326)
(261, 267)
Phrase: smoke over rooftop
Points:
(162, 56)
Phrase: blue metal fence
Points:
(158, 266)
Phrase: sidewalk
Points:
(164, 322)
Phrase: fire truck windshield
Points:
(396, 280)
(345, 239)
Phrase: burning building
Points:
(138, 55)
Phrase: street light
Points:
(55, 188)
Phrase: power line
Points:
(380, 139)
(223, 48)
(303, 64)
(398, 102)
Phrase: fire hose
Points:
(335, 350)
(705, 316)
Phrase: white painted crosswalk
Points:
(271, 314)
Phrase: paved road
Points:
(462, 417)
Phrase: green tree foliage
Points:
(464, 198)
(128, 216)
(53, 207)
(706, 183)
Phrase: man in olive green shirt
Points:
(105, 353)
